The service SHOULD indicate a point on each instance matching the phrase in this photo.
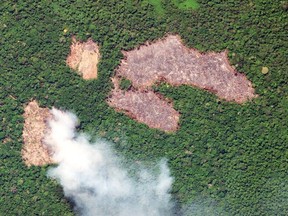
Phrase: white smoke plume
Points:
(94, 177)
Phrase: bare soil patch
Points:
(146, 107)
(34, 151)
(84, 58)
(169, 60)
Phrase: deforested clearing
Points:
(34, 151)
(170, 61)
(84, 58)
(146, 107)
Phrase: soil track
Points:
(170, 61)
(84, 58)
(34, 151)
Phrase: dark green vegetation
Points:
(186, 4)
(125, 84)
(227, 159)
(159, 5)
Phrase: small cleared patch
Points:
(84, 58)
(34, 151)
(265, 70)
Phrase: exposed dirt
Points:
(170, 61)
(34, 151)
(146, 107)
(84, 58)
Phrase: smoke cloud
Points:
(97, 180)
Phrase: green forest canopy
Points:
(188, 4)
(227, 159)
(180, 4)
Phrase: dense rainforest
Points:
(226, 158)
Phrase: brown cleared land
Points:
(146, 107)
(169, 60)
(84, 58)
(34, 151)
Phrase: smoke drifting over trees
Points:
(95, 178)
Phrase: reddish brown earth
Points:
(84, 58)
(170, 61)
(34, 151)
(146, 107)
